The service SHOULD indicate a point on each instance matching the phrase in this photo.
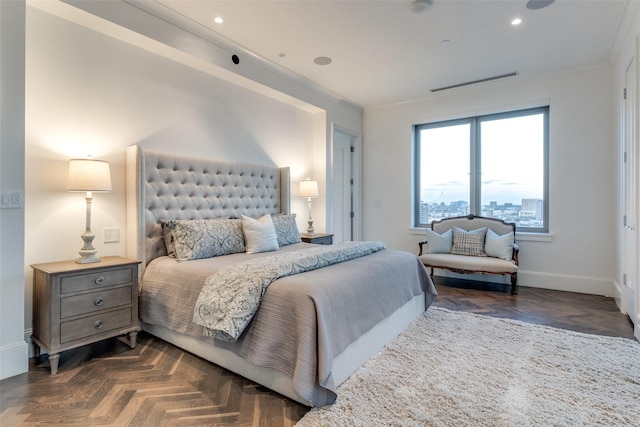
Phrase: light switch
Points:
(11, 199)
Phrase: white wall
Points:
(579, 255)
(13, 348)
(203, 49)
(94, 88)
(100, 95)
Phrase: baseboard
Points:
(14, 359)
(569, 283)
(27, 339)
(617, 295)
(557, 282)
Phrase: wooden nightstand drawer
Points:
(94, 325)
(95, 280)
(94, 301)
(78, 304)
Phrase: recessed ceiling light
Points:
(516, 21)
(218, 20)
(538, 4)
(419, 6)
(445, 42)
(322, 60)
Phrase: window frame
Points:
(475, 162)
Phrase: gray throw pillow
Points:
(439, 243)
(499, 246)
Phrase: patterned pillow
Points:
(286, 229)
(168, 237)
(468, 242)
(259, 234)
(202, 238)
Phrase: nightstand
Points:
(78, 304)
(317, 238)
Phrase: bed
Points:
(313, 329)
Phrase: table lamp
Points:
(309, 189)
(88, 175)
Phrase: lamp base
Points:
(88, 252)
(310, 229)
(87, 259)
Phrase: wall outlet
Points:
(111, 235)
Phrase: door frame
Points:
(630, 201)
(356, 172)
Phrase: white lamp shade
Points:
(309, 189)
(89, 175)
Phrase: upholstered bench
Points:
(472, 244)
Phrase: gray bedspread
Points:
(304, 321)
(230, 298)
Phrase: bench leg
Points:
(514, 284)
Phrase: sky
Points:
(512, 161)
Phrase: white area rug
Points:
(459, 369)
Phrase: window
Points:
(493, 165)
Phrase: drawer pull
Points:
(99, 301)
(98, 324)
(99, 280)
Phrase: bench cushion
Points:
(472, 263)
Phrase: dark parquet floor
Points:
(157, 384)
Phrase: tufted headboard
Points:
(163, 186)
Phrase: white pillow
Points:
(499, 246)
(439, 243)
(259, 234)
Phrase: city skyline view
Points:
(527, 213)
(502, 157)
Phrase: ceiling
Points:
(382, 53)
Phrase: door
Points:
(631, 202)
(342, 209)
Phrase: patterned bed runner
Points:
(230, 298)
